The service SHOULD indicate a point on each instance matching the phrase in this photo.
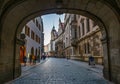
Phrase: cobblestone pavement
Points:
(60, 71)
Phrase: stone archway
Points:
(15, 14)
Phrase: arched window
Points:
(32, 51)
(36, 52)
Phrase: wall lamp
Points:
(59, 3)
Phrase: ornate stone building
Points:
(68, 49)
(82, 37)
(59, 45)
(78, 38)
(87, 40)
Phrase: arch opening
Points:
(106, 21)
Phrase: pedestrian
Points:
(43, 56)
(34, 59)
(37, 58)
(24, 60)
(67, 57)
(91, 60)
(30, 59)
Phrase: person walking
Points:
(24, 60)
(34, 59)
(30, 59)
(91, 60)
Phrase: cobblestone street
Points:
(61, 71)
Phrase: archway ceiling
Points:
(6, 3)
(21, 9)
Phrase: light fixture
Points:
(59, 3)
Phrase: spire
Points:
(53, 27)
(60, 21)
(60, 24)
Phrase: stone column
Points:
(17, 62)
(17, 65)
(106, 59)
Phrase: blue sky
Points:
(48, 22)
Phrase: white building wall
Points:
(29, 41)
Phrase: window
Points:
(27, 30)
(32, 35)
(79, 32)
(85, 48)
(39, 27)
(82, 26)
(39, 40)
(75, 33)
(37, 23)
(83, 30)
(88, 25)
(88, 48)
(36, 38)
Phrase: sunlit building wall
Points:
(68, 49)
(87, 40)
(34, 40)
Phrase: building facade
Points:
(34, 38)
(77, 38)
(68, 49)
(59, 45)
(83, 38)
(47, 49)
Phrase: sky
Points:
(49, 21)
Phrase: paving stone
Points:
(61, 71)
